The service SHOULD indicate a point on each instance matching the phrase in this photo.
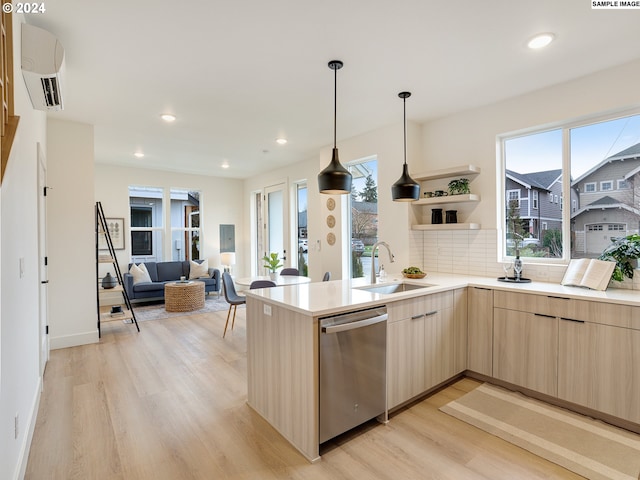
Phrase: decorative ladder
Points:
(101, 228)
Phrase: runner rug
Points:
(583, 445)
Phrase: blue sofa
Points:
(164, 272)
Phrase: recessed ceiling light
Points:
(138, 154)
(281, 141)
(540, 41)
(225, 165)
(167, 117)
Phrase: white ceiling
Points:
(239, 73)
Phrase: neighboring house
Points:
(539, 197)
(608, 202)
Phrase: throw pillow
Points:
(140, 273)
(198, 270)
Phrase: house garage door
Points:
(600, 235)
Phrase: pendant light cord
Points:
(335, 104)
(404, 106)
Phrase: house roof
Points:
(631, 152)
(366, 207)
(542, 180)
(605, 203)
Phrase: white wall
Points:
(393, 217)
(71, 239)
(470, 137)
(20, 380)
(221, 203)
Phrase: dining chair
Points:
(261, 284)
(327, 276)
(232, 298)
(290, 271)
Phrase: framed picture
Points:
(116, 232)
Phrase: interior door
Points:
(43, 305)
(276, 224)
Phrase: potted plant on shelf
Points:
(272, 263)
(459, 186)
(625, 252)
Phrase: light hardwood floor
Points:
(170, 403)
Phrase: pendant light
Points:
(406, 189)
(335, 179)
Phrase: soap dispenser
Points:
(382, 274)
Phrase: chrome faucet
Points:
(373, 258)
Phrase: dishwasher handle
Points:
(353, 325)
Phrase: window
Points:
(186, 230)
(535, 199)
(576, 161)
(364, 215)
(303, 241)
(513, 196)
(146, 223)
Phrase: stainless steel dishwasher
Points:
(352, 369)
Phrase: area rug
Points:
(156, 311)
(583, 445)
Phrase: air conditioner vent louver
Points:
(51, 92)
(42, 68)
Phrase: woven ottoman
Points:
(183, 296)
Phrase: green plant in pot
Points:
(459, 186)
(272, 263)
(625, 252)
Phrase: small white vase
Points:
(273, 276)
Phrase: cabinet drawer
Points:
(527, 302)
(625, 316)
(419, 305)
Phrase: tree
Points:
(370, 191)
(515, 229)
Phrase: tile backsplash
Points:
(474, 252)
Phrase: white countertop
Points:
(326, 298)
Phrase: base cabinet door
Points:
(599, 367)
(406, 360)
(525, 349)
(480, 330)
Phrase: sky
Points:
(590, 145)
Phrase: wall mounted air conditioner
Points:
(42, 67)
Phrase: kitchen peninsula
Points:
(543, 338)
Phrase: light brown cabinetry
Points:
(525, 341)
(598, 367)
(525, 349)
(426, 339)
(480, 330)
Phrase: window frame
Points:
(591, 184)
(606, 182)
(565, 126)
(534, 199)
(622, 184)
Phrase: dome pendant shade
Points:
(405, 189)
(335, 179)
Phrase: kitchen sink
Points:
(395, 287)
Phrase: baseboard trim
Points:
(74, 340)
(23, 458)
